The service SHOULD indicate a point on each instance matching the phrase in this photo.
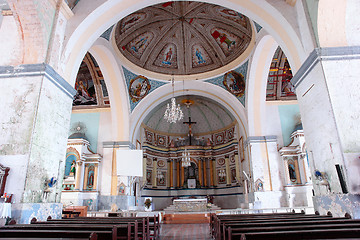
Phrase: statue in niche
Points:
(73, 168)
(292, 173)
(192, 171)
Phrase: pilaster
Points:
(327, 88)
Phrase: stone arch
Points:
(256, 89)
(199, 88)
(119, 102)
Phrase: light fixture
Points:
(173, 112)
(222, 173)
(185, 161)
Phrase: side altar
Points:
(190, 205)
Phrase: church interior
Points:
(189, 106)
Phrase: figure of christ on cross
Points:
(189, 123)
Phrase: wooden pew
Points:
(151, 227)
(344, 233)
(54, 234)
(235, 232)
(221, 220)
(132, 229)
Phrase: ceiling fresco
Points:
(139, 87)
(233, 81)
(208, 115)
(183, 37)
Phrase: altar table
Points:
(190, 205)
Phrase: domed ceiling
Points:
(208, 115)
(183, 37)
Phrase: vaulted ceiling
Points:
(183, 37)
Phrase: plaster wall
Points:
(352, 22)
(269, 199)
(10, 47)
(105, 130)
(17, 120)
(35, 119)
(343, 87)
(271, 122)
(105, 172)
(49, 140)
(320, 128)
(276, 167)
(91, 122)
(260, 165)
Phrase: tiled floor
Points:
(185, 231)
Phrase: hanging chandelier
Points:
(185, 161)
(173, 112)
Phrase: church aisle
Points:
(185, 231)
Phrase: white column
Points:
(327, 87)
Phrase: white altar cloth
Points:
(5, 210)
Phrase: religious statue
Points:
(73, 168)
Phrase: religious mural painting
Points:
(167, 57)
(131, 20)
(214, 36)
(234, 83)
(199, 56)
(90, 85)
(139, 88)
(84, 86)
(232, 15)
(139, 44)
(226, 40)
(279, 86)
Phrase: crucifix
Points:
(189, 123)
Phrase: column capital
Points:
(260, 139)
(118, 144)
(324, 54)
(41, 69)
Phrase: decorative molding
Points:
(42, 69)
(260, 139)
(324, 54)
(118, 144)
